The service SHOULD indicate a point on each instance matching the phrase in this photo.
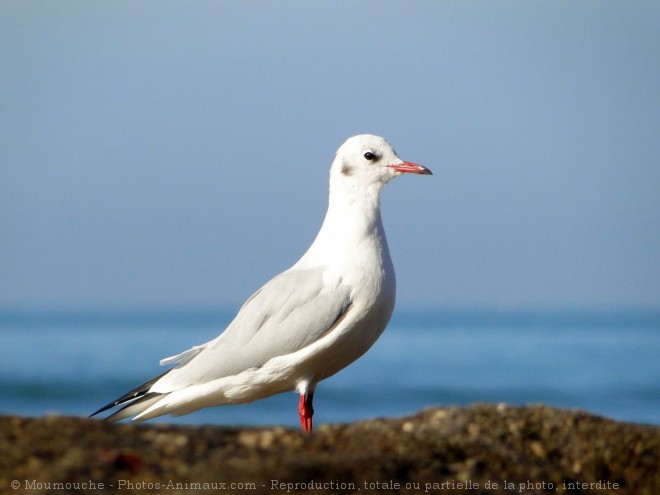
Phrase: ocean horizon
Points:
(72, 362)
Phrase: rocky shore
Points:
(482, 449)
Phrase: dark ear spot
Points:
(346, 170)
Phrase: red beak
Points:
(411, 168)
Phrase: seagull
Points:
(308, 322)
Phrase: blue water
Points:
(606, 363)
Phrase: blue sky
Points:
(170, 153)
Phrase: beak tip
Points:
(411, 168)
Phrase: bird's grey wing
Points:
(290, 312)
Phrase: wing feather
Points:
(290, 312)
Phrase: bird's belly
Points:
(372, 307)
(350, 343)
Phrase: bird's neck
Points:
(352, 223)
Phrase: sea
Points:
(607, 363)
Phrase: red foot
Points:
(306, 411)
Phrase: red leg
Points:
(306, 411)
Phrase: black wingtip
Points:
(131, 395)
(104, 408)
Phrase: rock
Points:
(482, 449)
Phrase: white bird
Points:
(308, 322)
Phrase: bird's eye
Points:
(370, 156)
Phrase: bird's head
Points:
(370, 160)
